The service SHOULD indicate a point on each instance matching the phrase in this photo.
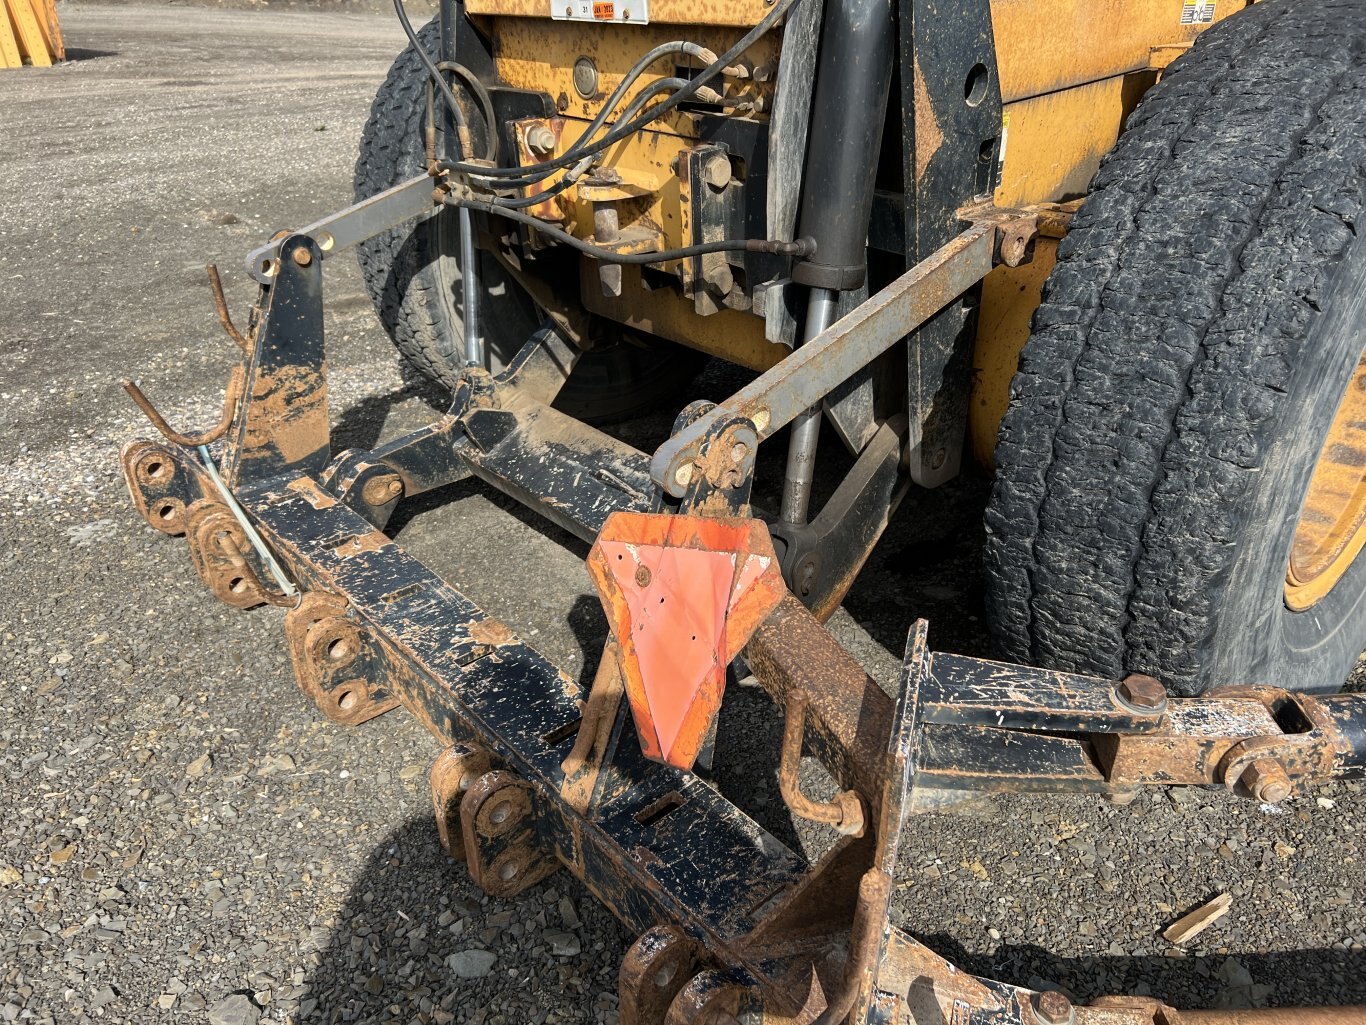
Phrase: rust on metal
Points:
(501, 850)
(1218, 738)
(382, 488)
(231, 398)
(1053, 1008)
(150, 472)
(333, 665)
(845, 811)
(1142, 691)
(583, 764)
(848, 713)
(865, 935)
(218, 549)
(453, 772)
(220, 305)
(656, 967)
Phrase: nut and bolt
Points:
(716, 171)
(1014, 242)
(1053, 1008)
(381, 489)
(540, 139)
(302, 256)
(1142, 692)
(1267, 781)
(643, 576)
(719, 277)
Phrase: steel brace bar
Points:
(353, 225)
(803, 379)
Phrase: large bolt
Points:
(1053, 1008)
(540, 139)
(302, 256)
(381, 489)
(1267, 781)
(1141, 692)
(716, 172)
(719, 277)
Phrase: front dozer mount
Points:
(752, 200)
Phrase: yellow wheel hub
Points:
(1332, 527)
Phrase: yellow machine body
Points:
(1070, 71)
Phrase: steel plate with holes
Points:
(626, 12)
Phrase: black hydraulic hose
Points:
(621, 131)
(432, 69)
(520, 177)
(573, 154)
(802, 247)
(570, 177)
(482, 95)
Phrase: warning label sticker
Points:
(631, 12)
(1197, 12)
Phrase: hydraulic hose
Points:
(800, 248)
(622, 130)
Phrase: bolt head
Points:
(1267, 781)
(643, 576)
(381, 489)
(683, 475)
(302, 256)
(716, 172)
(1142, 692)
(540, 139)
(1053, 1007)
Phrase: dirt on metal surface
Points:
(181, 824)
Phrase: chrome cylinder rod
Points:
(806, 428)
(469, 282)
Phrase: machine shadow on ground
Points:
(376, 958)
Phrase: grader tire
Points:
(1205, 321)
(413, 273)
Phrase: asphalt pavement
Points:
(185, 839)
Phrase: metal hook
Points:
(845, 812)
(220, 304)
(231, 398)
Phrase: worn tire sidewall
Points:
(1265, 641)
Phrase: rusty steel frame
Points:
(531, 777)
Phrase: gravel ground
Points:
(186, 840)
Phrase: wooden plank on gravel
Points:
(1191, 924)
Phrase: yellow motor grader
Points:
(1108, 250)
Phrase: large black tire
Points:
(1206, 315)
(413, 274)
